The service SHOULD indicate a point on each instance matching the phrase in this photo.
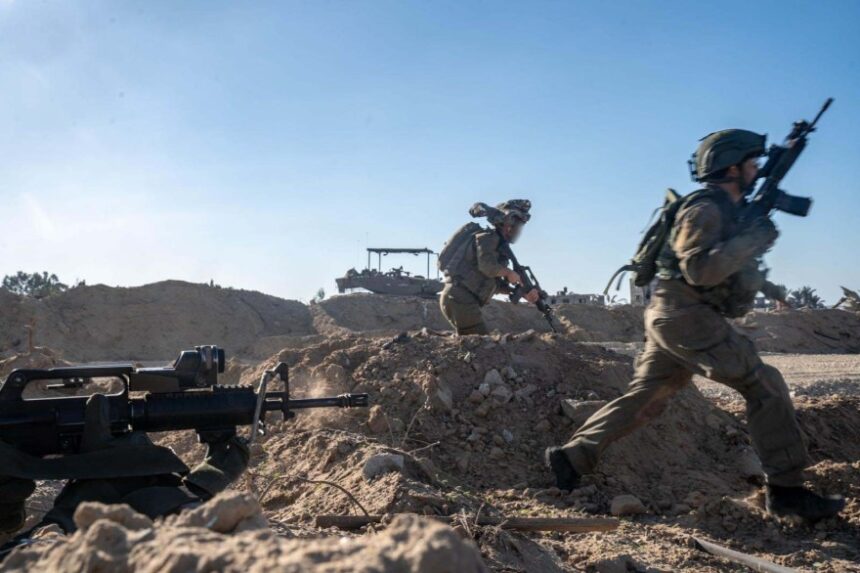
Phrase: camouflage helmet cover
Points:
(722, 149)
(516, 209)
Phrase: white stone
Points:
(382, 464)
(580, 410)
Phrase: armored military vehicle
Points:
(392, 282)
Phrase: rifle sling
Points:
(621, 271)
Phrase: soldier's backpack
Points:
(454, 252)
(643, 265)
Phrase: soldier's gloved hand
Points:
(13, 495)
(533, 295)
(762, 233)
(226, 459)
(751, 242)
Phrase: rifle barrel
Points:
(342, 401)
(821, 111)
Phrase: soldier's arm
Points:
(488, 256)
(705, 259)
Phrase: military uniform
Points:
(707, 271)
(474, 283)
(130, 469)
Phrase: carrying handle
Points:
(281, 371)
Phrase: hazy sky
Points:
(265, 145)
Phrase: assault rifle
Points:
(184, 396)
(780, 158)
(529, 281)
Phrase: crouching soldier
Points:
(476, 269)
(708, 270)
(125, 470)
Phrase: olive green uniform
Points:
(474, 283)
(706, 272)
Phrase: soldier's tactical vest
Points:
(668, 264)
(734, 296)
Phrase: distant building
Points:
(566, 297)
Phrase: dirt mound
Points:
(600, 324)
(489, 406)
(369, 313)
(375, 313)
(154, 322)
(151, 322)
(40, 358)
(826, 331)
(230, 534)
(457, 428)
(438, 441)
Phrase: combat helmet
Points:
(516, 210)
(722, 149)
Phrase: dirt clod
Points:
(626, 505)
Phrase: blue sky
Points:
(265, 145)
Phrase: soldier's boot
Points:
(566, 477)
(800, 502)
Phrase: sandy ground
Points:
(806, 375)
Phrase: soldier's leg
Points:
(462, 311)
(707, 344)
(658, 377)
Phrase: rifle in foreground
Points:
(183, 396)
(780, 159)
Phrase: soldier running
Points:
(708, 270)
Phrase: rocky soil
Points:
(457, 428)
